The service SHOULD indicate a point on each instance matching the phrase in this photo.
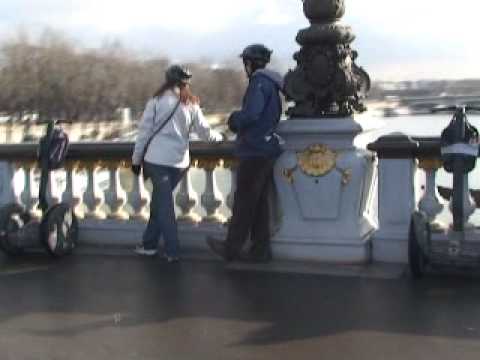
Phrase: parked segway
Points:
(57, 229)
(459, 151)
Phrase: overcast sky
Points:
(397, 40)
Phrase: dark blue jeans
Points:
(162, 220)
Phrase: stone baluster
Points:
(53, 196)
(430, 201)
(211, 198)
(26, 196)
(115, 196)
(232, 165)
(93, 197)
(70, 195)
(35, 187)
(67, 196)
(186, 200)
(139, 199)
(9, 194)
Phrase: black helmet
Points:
(178, 74)
(257, 52)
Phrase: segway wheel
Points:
(418, 242)
(13, 218)
(59, 230)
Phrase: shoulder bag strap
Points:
(160, 127)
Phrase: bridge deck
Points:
(116, 307)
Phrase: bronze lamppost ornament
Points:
(326, 81)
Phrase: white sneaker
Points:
(140, 250)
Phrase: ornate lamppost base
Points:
(326, 192)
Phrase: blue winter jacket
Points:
(256, 122)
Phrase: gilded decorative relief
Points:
(288, 174)
(317, 161)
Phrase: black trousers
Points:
(250, 214)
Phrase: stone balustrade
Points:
(408, 171)
(113, 204)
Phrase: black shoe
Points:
(218, 247)
(250, 258)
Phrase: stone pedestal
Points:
(397, 202)
(326, 190)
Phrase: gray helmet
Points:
(257, 52)
(178, 74)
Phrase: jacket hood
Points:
(276, 77)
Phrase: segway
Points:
(459, 152)
(57, 229)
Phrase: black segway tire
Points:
(418, 241)
(13, 218)
(59, 230)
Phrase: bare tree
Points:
(52, 77)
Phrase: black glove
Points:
(136, 169)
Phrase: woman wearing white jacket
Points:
(167, 156)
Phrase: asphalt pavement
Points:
(121, 307)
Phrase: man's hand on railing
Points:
(136, 169)
(231, 125)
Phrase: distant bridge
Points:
(425, 104)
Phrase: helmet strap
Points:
(253, 65)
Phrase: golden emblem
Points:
(317, 160)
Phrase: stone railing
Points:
(408, 170)
(113, 204)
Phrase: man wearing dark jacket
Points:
(257, 147)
